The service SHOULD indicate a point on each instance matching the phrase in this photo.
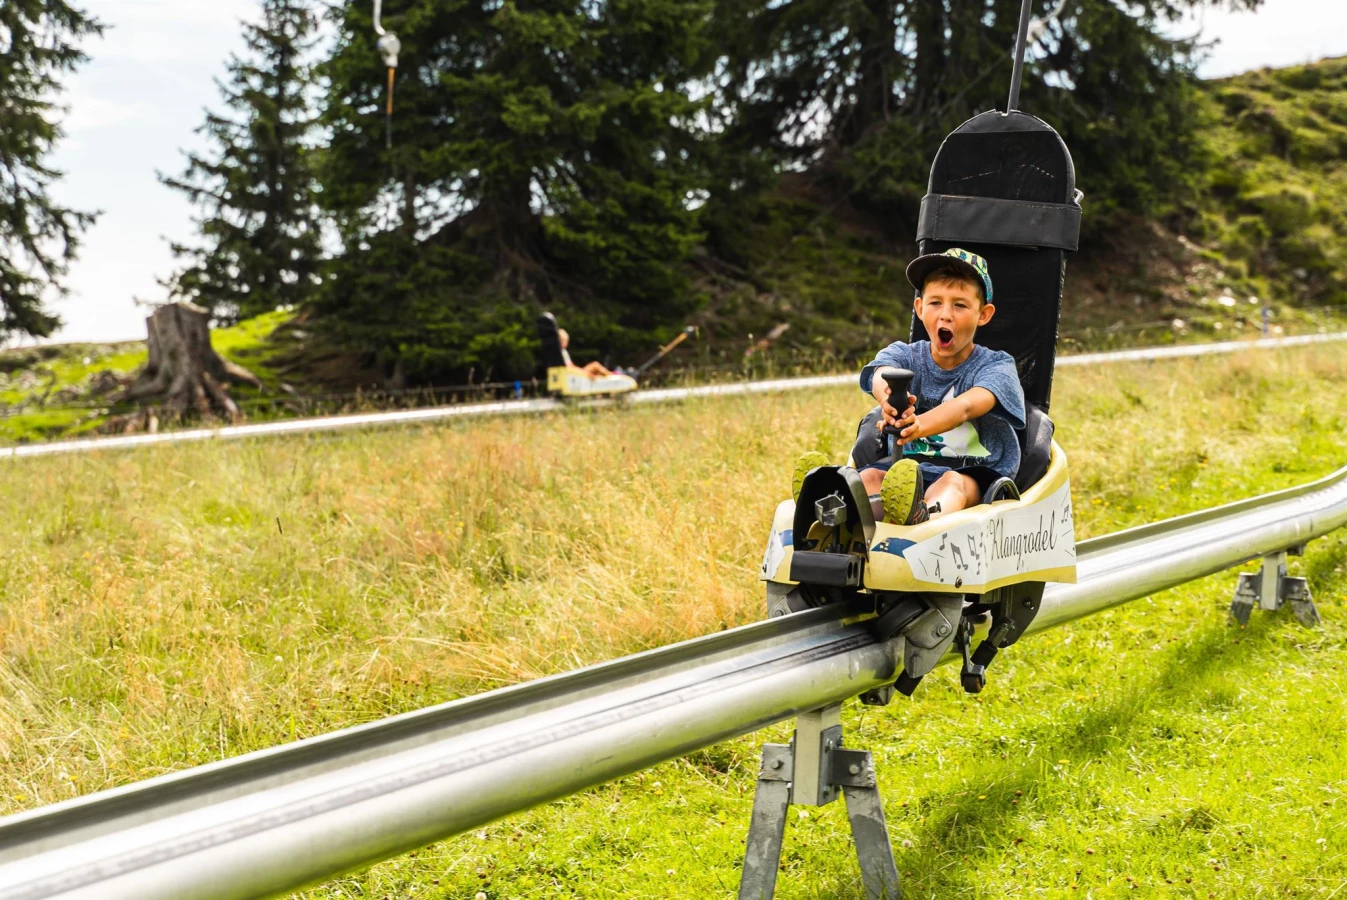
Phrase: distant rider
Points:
(593, 370)
(957, 428)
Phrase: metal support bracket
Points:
(784, 599)
(1270, 587)
(973, 673)
(811, 771)
(930, 636)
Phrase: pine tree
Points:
(38, 237)
(260, 231)
(545, 155)
(861, 94)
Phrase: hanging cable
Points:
(388, 46)
(388, 111)
(1017, 74)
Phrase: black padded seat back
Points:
(1035, 447)
(550, 355)
(1003, 186)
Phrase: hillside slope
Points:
(62, 390)
(1264, 227)
(1276, 188)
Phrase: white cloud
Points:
(88, 111)
(148, 32)
(1278, 33)
(130, 109)
(185, 15)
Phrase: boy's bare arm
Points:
(971, 404)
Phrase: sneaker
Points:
(807, 463)
(903, 494)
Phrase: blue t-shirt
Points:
(988, 440)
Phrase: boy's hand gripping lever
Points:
(899, 382)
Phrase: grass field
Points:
(47, 393)
(180, 604)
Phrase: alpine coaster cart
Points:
(1002, 185)
(567, 380)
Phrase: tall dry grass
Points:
(175, 605)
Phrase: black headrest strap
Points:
(991, 220)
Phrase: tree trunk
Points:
(928, 29)
(877, 70)
(184, 371)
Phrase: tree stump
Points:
(184, 370)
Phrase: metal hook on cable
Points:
(388, 46)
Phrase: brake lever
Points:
(900, 384)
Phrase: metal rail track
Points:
(275, 820)
(546, 404)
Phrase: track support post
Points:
(811, 771)
(1270, 587)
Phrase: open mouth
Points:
(944, 337)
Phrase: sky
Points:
(134, 107)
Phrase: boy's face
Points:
(952, 313)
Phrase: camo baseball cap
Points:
(976, 266)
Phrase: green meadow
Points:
(180, 604)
